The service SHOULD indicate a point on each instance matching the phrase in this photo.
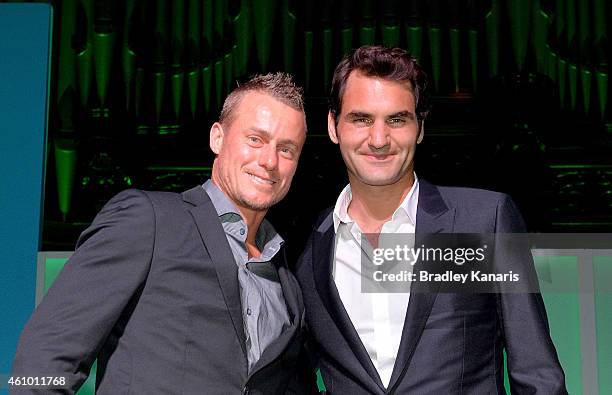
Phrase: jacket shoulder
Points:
(153, 196)
(159, 200)
(494, 211)
(471, 198)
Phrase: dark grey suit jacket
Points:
(152, 292)
(451, 343)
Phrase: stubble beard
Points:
(256, 206)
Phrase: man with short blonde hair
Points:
(186, 293)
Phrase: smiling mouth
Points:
(260, 180)
(375, 157)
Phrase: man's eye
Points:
(254, 139)
(363, 121)
(397, 121)
(287, 152)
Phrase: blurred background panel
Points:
(520, 98)
(25, 54)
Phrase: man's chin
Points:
(375, 176)
(258, 204)
(379, 181)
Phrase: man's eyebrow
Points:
(358, 114)
(402, 114)
(268, 135)
(261, 131)
(363, 114)
(288, 143)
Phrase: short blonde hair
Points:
(278, 85)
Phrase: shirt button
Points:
(242, 231)
(248, 311)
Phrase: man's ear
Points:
(216, 137)
(331, 128)
(421, 132)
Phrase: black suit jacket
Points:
(451, 343)
(152, 291)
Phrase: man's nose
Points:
(268, 157)
(379, 135)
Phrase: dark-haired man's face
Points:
(377, 130)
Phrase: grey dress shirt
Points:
(264, 310)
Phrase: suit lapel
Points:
(357, 358)
(289, 287)
(211, 231)
(295, 315)
(433, 216)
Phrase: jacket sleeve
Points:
(65, 333)
(310, 355)
(533, 365)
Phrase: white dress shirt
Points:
(378, 317)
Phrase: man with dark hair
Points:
(186, 293)
(409, 342)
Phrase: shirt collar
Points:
(223, 205)
(221, 202)
(406, 209)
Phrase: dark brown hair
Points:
(394, 64)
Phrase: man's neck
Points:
(253, 219)
(372, 206)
